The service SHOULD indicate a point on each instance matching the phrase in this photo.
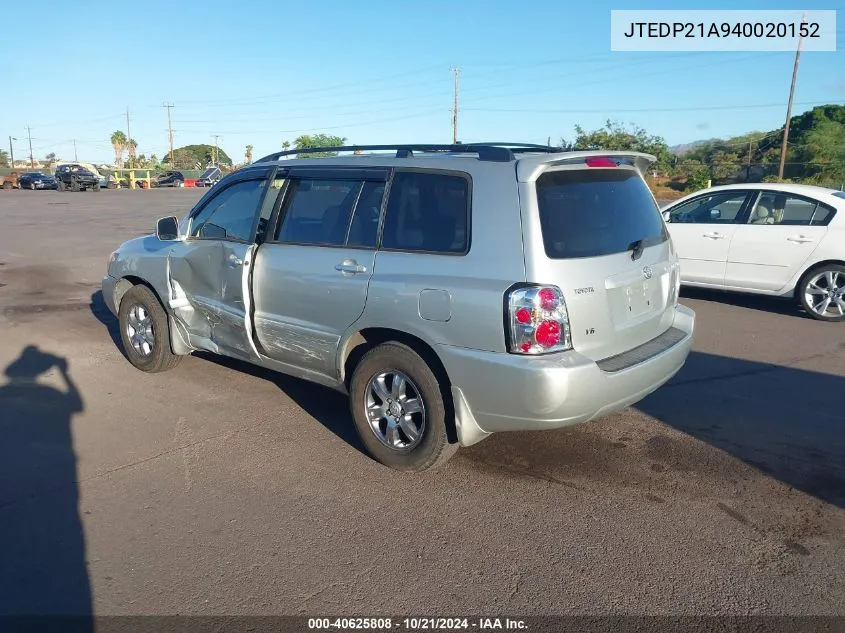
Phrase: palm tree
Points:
(248, 154)
(286, 145)
(118, 142)
(132, 148)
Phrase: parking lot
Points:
(218, 488)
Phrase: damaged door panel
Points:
(209, 274)
(193, 276)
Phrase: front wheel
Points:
(398, 409)
(821, 293)
(145, 331)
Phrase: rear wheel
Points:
(145, 331)
(821, 293)
(398, 409)
(74, 185)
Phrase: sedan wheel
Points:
(822, 293)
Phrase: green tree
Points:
(132, 149)
(318, 140)
(118, 142)
(188, 156)
(823, 153)
(617, 136)
(50, 158)
(4, 158)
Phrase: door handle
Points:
(715, 236)
(350, 266)
(799, 239)
(235, 261)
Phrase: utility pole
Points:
(12, 151)
(75, 157)
(216, 150)
(789, 105)
(128, 136)
(169, 131)
(456, 72)
(31, 159)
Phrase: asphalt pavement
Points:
(218, 488)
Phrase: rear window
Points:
(595, 212)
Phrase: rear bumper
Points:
(505, 392)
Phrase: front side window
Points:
(427, 212)
(230, 214)
(715, 208)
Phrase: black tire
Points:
(803, 287)
(32, 186)
(60, 186)
(433, 449)
(74, 185)
(161, 357)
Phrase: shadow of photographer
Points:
(42, 545)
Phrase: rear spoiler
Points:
(529, 168)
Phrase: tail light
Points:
(675, 285)
(537, 320)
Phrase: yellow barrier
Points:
(132, 180)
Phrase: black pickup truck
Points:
(72, 177)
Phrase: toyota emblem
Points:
(647, 272)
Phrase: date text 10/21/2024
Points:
(417, 624)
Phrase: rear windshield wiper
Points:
(636, 249)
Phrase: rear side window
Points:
(595, 212)
(427, 212)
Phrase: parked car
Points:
(74, 177)
(37, 180)
(209, 177)
(767, 238)
(10, 181)
(452, 291)
(169, 179)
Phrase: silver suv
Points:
(453, 291)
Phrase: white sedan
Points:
(765, 238)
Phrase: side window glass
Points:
(822, 216)
(780, 208)
(230, 214)
(318, 211)
(363, 231)
(717, 208)
(427, 212)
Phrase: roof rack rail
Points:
(495, 152)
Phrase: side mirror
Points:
(667, 216)
(167, 229)
(715, 214)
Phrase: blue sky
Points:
(261, 72)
